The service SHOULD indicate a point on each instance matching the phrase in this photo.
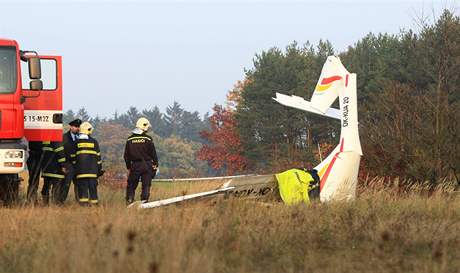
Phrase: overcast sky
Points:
(118, 54)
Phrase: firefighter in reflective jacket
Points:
(53, 166)
(141, 161)
(88, 165)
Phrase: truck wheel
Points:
(9, 188)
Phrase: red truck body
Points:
(27, 115)
(11, 110)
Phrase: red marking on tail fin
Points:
(346, 81)
(330, 79)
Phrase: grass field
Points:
(382, 231)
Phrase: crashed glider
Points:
(339, 171)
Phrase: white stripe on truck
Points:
(41, 119)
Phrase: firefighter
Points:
(141, 161)
(53, 170)
(88, 166)
(70, 148)
(34, 162)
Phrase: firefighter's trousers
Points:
(64, 189)
(87, 191)
(33, 165)
(51, 184)
(139, 170)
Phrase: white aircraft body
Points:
(339, 171)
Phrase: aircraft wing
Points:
(247, 186)
(302, 104)
(179, 199)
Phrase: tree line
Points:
(408, 96)
(175, 132)
(409, 112)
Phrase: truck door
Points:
(43, 112)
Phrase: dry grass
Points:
(383, 231)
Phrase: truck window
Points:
(8, 70)
(49, 75)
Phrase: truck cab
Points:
(30, 104)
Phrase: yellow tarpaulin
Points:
(294, 186)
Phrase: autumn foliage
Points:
(224, 149)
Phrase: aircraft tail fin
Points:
(329, 84)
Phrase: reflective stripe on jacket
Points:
(53, 159)
(88, 158)
(70, 147)
(140, 147)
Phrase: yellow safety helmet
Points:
(143, 124)
(86, 128)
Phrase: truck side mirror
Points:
(35, 71)
(36, 85)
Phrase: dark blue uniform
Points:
(53, 163)
(70, 149)
(140, 158)
(88, 168)
(34, 162)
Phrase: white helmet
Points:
(143, 124)
(86, 128)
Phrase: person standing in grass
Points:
(34, 162)
(53, 165)
(141, 161)
(69, 140)
(88, 166)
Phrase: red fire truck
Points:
(30, 109)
